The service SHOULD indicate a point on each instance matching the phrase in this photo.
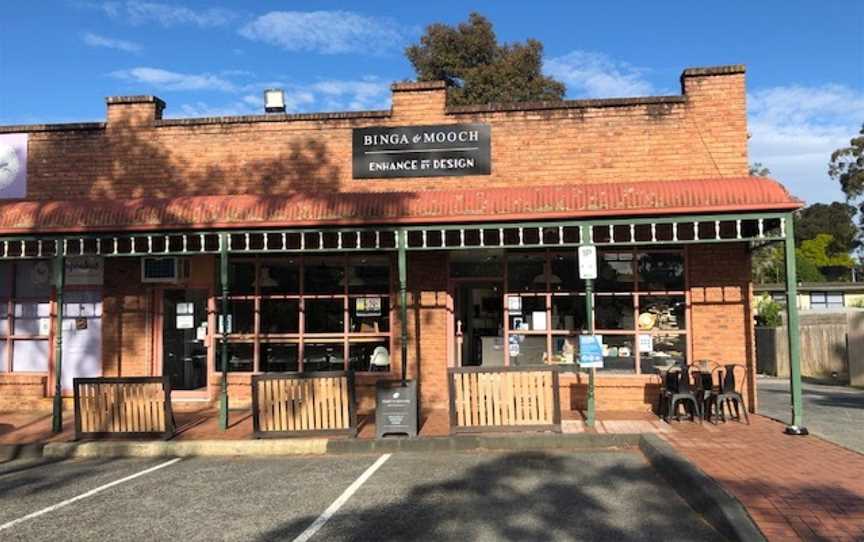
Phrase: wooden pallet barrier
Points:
(294, 404)
(129, 406)
(504, 398)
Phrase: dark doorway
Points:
(479, 310)
(184, 332)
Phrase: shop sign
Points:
(591, 351)
(84, 271)
(587, 262)
(13, 166)
(368, 306)
(421, 151)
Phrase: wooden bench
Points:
(295, 404)
(127, 406)
(504, 398)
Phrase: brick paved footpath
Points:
(795, 488)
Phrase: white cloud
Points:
(794, 129)
(95, 40)
(168, 80)
(327, 32)
(596, 75)
(137, 12)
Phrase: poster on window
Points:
(368, 306)
(514, 305)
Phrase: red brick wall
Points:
(721, 317)
(137, 155)
(127, 320)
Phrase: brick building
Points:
(130, 219)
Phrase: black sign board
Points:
(396, 408)
(421, 151)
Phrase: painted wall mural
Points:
(13, 166)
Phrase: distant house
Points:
(817, 295)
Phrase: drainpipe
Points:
(796, 427)
(223, 386)
(402, 242)
(59, 279)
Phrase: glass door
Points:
(184, 334)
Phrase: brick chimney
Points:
(133, 110)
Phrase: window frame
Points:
(636, 294)
(301, 337)
(12, 335)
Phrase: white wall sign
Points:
(587, 262)
(13, 166)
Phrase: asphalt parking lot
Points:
(406, 496)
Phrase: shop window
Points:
(369, 355)
(30, 356)
(661, 351)
(280, 316)
(324, 275)
(33, 280)
(324, 315)
(241, 317)
(302, 305)
(370, 314)
(527, 313)
(527, 350)
(279, 357)
(32, 319)
(568, 313)
(615, 272)
(4, 355)
(319, 357)
(369, 275)
(619, 355)
(660, 271)
(240, 357)
(664, 313)
(613, 312)
(241, 278)
(564, 275)
(545, 323)
(279, 278)
(526, 272)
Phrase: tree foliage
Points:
(758, 170)
(478, 69)
(836, 219)
(847, 167)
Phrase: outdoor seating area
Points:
(704, 391)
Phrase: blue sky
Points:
(805, 60)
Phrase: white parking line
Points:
(343, 498)
(90, 493)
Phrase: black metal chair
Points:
(679, 393)
(705, 387)
(729, 394)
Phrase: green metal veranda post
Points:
(584, 237)
(796, 427)
(223, 385)
(402, 242)
(59, 279)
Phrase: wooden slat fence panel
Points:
(504, 398)
(293, 404)
(128, 406)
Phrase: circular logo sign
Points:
(9, 165)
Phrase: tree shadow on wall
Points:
(301, 182)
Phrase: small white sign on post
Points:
(587, 262)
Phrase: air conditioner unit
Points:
(164, 269)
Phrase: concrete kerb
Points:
(705, 495)
(10, 452)
(319, 446)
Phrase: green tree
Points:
(478, 69)
(836, 219)
(847, 167)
